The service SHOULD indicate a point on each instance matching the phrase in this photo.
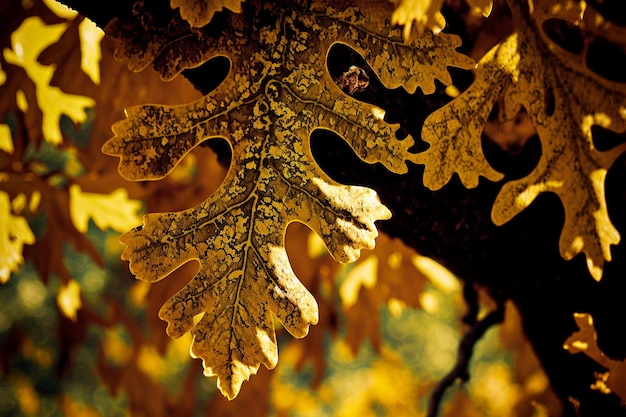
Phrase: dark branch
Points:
(464, 355)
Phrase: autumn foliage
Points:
(240, 239)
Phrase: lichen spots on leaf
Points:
(277, 93)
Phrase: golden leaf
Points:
(90, 52)
(68, 299)
(14, 233)
(60, 10)
(530, 72)
(113, 210)
(200, 12)
(570, 166)
(27, 42)
(454, 131)
(277, 92)
(585, 340)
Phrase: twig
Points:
(464, 355)
(471, 299)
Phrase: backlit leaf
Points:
(90, 52)
(60, 10)
(114, 210)
(14, 233)
(563, 99)
(27, 42)
(277, 92)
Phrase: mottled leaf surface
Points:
(563, 99)
(277, 92)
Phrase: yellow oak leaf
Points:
(27, 43)
(585, 340)
(14, 233)
(454, 131)
(68, 299)
(113, 210)
(90, 52)
(60, 10)
(277, 92)
(530, 72)
(200, 12)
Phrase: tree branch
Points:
(464, 355)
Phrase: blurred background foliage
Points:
(79, 336)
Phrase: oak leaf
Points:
(113, 210)
(277, 92)
(90, 51)
(27, 42)
(47, 252)
(563, 99)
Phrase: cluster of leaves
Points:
(279, 90)
(71, 326)
(63, 206)
(564, 99)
